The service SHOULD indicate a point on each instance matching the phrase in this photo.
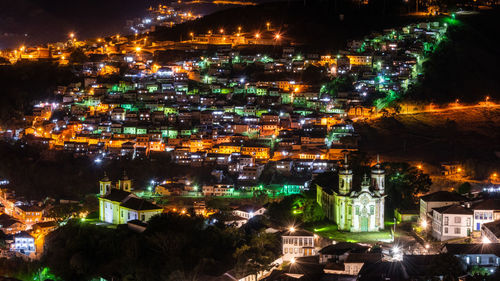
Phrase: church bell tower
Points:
(378, 177)
(345, 178)
(104, 185)
(125, 183)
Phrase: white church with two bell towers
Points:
(360, 210)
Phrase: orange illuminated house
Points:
(200, 145)
(156, 146)
(228, 148)
(258, 152)
(28, 214)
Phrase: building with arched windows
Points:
(355, 209)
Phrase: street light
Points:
(137, 49)
(291, 228)
(221, 31)
(257, 35)
(292, 260)
(277, 36)
(268, 24)
(423, 224)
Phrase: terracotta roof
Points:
(443, 196)
(298, 232)
(139, 204)
(249, 208)
(454, 209)
(474, 249)
(494, 227)
(116, 195)
(363, 258)
(341, 248)
(33, 208)
(488, 204)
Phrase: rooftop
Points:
(443, 196)
(473, 249)
(454, 209)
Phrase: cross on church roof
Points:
(366, 182)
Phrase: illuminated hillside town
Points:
(265, 140)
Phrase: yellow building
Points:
(258, 152)
(117, 205)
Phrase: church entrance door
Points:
(364, 224)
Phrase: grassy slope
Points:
(433, 138)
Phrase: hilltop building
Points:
(118, 205)
(355, 210)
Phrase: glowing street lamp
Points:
(277, 36)
(239, 29)
(291, 229)
(137, 49)
(221, 31)
(268, 24)
(423, 224)
(192, 35)
(72, 35)
(292, 260)
(257, 35)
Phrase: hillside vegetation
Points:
(471, 135)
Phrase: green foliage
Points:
(173, 247)
(479, 271)
(461, 66)
(281, 212)
(338, 84)
(78, 56)
(448, 266)
(403, 185)
(25, 83)
(312, 211)
(464, 188)
(18, 268)
(258, 255)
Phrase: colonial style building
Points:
(451, 222)
(297, 243)
(117, 205)
(360, 210)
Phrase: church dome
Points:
(105, 178)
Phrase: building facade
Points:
(117, 205)
(298, 243)
(355, 211)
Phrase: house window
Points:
(445, 220)
(457, 230)
(491, 260)
(478, 259)
(357, 210)
(286, 250)
(468, 221)
(467, 260)
(143, 218)
(372, 209)
(445, 230)
(128, 215)
(458, 219)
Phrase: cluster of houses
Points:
(22, 222)
(449, 215)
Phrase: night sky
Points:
(40, 21)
